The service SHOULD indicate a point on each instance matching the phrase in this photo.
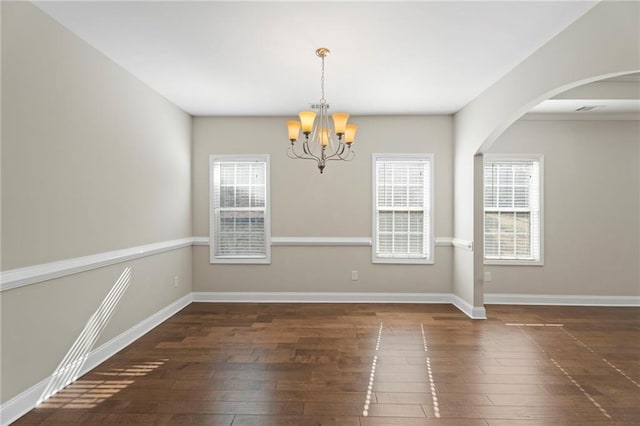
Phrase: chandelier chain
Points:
(322, 99)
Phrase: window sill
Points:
(240, 261)
(514, 262)
(403, 261)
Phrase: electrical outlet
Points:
(487, 277)
(354, 275)
(176, 281)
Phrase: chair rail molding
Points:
(325, 241)
(19, 277)
(462, 244)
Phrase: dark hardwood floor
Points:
(366, 364)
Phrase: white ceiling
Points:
(257, 58)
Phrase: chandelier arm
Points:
(307, 151)
(349, 156)
(305, 148)
(307, 155)
(334, 156)
(291, 152)
(319, 163)
(347, 159)
(338, 152)
(310, 158)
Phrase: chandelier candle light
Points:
(319, 143)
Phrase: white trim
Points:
(241, 259)
(429, 210)
(324, 241)
(22, 403)
(321, 241)
(299, 297)
(200, 241)
(14, 278)
(444, 242)
(404, 260)
(539, 158)
(462, 244)
(296, 297)
(473, 312)
(560, 300)
(507, 262)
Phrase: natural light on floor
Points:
(88, 393)
(72, 363)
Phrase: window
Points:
(513, 209)
(403, 205)
(239, 217)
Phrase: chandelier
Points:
(322, 143)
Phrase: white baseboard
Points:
(18, 406)
(560, 300)
(473, 312)
(292, 297)
(108, 349)
(300, 297)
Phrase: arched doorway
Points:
(588, 247)
(604, 43)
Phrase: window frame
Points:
(428, 210)
(240, 259)
(516, 157)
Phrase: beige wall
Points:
(336, 203)
(591, 208)
(92, 161)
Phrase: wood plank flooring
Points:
(366, 364)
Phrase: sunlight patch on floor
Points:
(72, 363)
(432, 384)
(83, 393)
(372, 376)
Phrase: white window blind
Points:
(403, 224)
(513, 208)
(239, 203)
